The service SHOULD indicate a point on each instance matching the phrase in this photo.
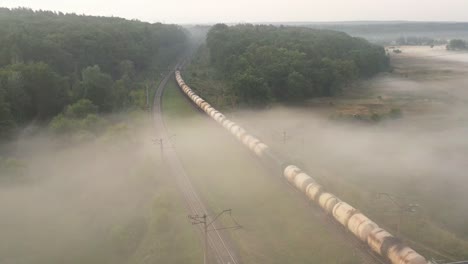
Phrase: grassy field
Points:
(278, 225)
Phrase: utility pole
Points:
(203, 219)
(161, 146)
(147, 98)
(160, 142)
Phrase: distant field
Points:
(278, 225)
(387, 31)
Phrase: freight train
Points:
(379, 241)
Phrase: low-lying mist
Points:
(77, 202)
(418, 158)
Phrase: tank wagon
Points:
(379, 241)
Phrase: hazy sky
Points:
(207, 11)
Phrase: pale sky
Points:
(209, 11)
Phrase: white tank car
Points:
(214, 112)
(210, 110)
(303, 180)
(234, 129)
(290, 172)
(342, 212)
(313, 191)
(219, 118)
(328, 201)
(227, 124)
(399, 254)
(240, 133)
(376, 239)
(361, 226)
(246, 139)
(230, 125)
(253, 143)
(260, 148)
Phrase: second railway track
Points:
(220, 249)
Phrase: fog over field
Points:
(69, 201)
(91, 201)
(94, 201)
(87, 174)
(418, 158)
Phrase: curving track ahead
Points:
(220, 248)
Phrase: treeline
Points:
(50, 60)
(416, 41)
(457, 44)
(268, 63)
(386, 32)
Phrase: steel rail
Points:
(223, 253)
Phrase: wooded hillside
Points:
(268, 63)
(50, 60)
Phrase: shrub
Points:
(395, 113)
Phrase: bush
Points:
(376, 117)
(78, 116)
(395, 113)
(61, 124)
(11, 169)
(81, 109)
(457, 44)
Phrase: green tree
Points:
(252, 89)
(138, 98)
(457, 44)
(127, 69)
(34, 90)
(297, 83)
(121, 94)
(97, 87)
(6, 118)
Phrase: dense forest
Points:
(263, 64)
(49, 61)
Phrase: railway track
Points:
(220, 249)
